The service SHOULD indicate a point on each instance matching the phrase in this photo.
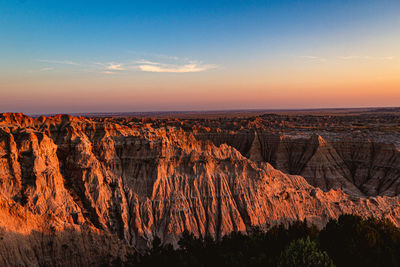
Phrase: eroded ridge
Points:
(123, 181)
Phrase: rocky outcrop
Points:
(71, 185)
(358, 167)
(373, 167)
(240, 140)
(40, 221)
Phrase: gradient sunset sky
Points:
(113, 56)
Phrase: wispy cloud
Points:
(113, 66)
(155, 63)
(147, 62)
(64, 62)
(108, 72)
(193, 67)
(313, 58)
(110, 67)
(170, 64)
(45, 69)
(41, 69)
(366, 57)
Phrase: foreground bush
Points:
(348, 241)
(304, 253)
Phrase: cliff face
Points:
(40, 221)
(102, 187)
(373, 167)
(358, 167)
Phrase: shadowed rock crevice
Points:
(357, 167)
(75, 184)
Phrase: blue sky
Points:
(137, 47)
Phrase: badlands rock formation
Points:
(79, 191)
(358, 167)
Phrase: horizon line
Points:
(198, 111)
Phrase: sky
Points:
(80, 56)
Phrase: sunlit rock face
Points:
(99, 189)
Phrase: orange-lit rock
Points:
(108, 185)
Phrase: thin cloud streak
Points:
(110, 67)
(145, 65)
(314, 58)
(45, 69)
(365, 57)
(115, 67)
(351, 57)
(41, 70)
(147, 62)
(176, 69)
(65, 62)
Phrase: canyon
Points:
(80, 190)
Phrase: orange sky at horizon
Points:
(358, 82)
(307, 55)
